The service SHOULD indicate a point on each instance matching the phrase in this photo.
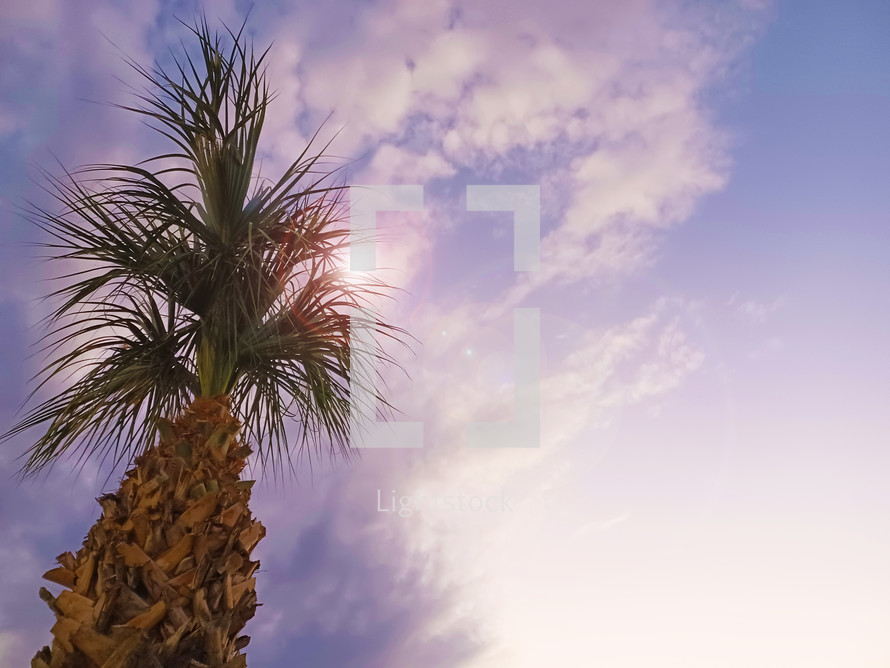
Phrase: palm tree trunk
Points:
(164, 578)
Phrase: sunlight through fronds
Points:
(224, 284)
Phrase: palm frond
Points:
(134, 367)
(201, 287)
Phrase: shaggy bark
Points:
(164, 577)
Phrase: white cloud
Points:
(398, 165)
(754, 310)
(602, 105)
(11, 647)
(605, 99)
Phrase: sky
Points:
(708, 487)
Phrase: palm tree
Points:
(203, 298)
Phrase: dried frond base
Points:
(164, 578)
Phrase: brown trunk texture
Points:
(164, 577)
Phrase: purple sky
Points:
(710, 487)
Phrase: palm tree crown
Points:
(219, 284)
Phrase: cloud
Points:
(356, 586)
(403, 165)
(753, 310)
(603, 104)
(355, 598)
(38, 519)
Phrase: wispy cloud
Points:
(754, 310)
(602, 104)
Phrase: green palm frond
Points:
(217, 284)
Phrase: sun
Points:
(342, 265)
